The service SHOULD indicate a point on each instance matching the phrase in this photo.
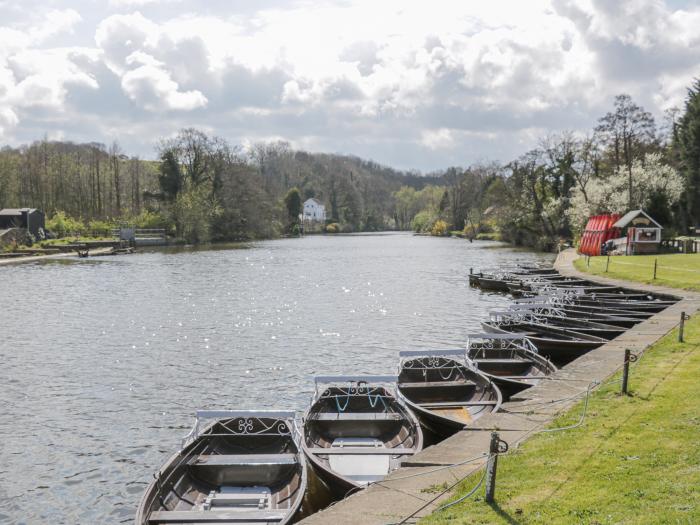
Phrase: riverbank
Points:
(676, 270)
(38, 258)
(418, 488)
(633, 460)
(633, 457)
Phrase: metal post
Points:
(588, 261)
(626, 371)
(681, 328)
(471, 271)
(607, 264)
(491, 468)
(656, 260)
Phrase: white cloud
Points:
(152, 88)
(437, 138)
(417, 85)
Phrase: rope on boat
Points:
(337, 403)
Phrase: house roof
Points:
(315, 201)
(626, 219)
(15, 211)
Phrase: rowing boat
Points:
(509, 360)
(445, 394)
(239, 468)
(357, 431)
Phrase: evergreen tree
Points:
(687, 141)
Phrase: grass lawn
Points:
(674, 270)
(636, 459)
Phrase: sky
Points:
(414, 85)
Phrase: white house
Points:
(314, 211)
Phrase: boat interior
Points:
(239, 470)
(360, 431)
(440, 383)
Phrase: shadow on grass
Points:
(503, 514)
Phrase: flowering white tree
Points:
(650, 177)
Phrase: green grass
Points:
(636, 459)
(674, 270)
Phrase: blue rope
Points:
(337, 403)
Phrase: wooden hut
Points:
(641, 234)
(30, 219)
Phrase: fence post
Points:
(491, 466)
(681, 328)
(626, 371)
(607, 264)
(656, 259)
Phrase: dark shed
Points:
(28, 218)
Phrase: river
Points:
(104, 360)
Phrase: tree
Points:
(293, 203)
(628, 131)
(687, 142)
(657, 187)
(170, 177)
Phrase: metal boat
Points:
(561, 345)
(511, 361)
(239, 467)
(357, 431)
(445, 394)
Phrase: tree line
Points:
(203, 188)
(546, 195)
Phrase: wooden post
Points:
(626, 371)
(681, 328)
(607, 264)
(491, 466)
(656, 260)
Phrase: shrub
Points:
(439, 229)
(333, 227)
(100, 228)
(62, 225)
(422, 222)
(149, 220)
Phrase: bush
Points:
(62, 225)
(333, 227)
(439, 229)
(101, 228)
(422, 222)
(149, 220)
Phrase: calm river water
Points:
(104, 360)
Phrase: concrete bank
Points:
(410, 491)
(37, 258)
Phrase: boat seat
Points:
(230, 460)
(255, 469)
(436, 384)
(357, 416)
(359, 451)
(216, 516)
(446, 404)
